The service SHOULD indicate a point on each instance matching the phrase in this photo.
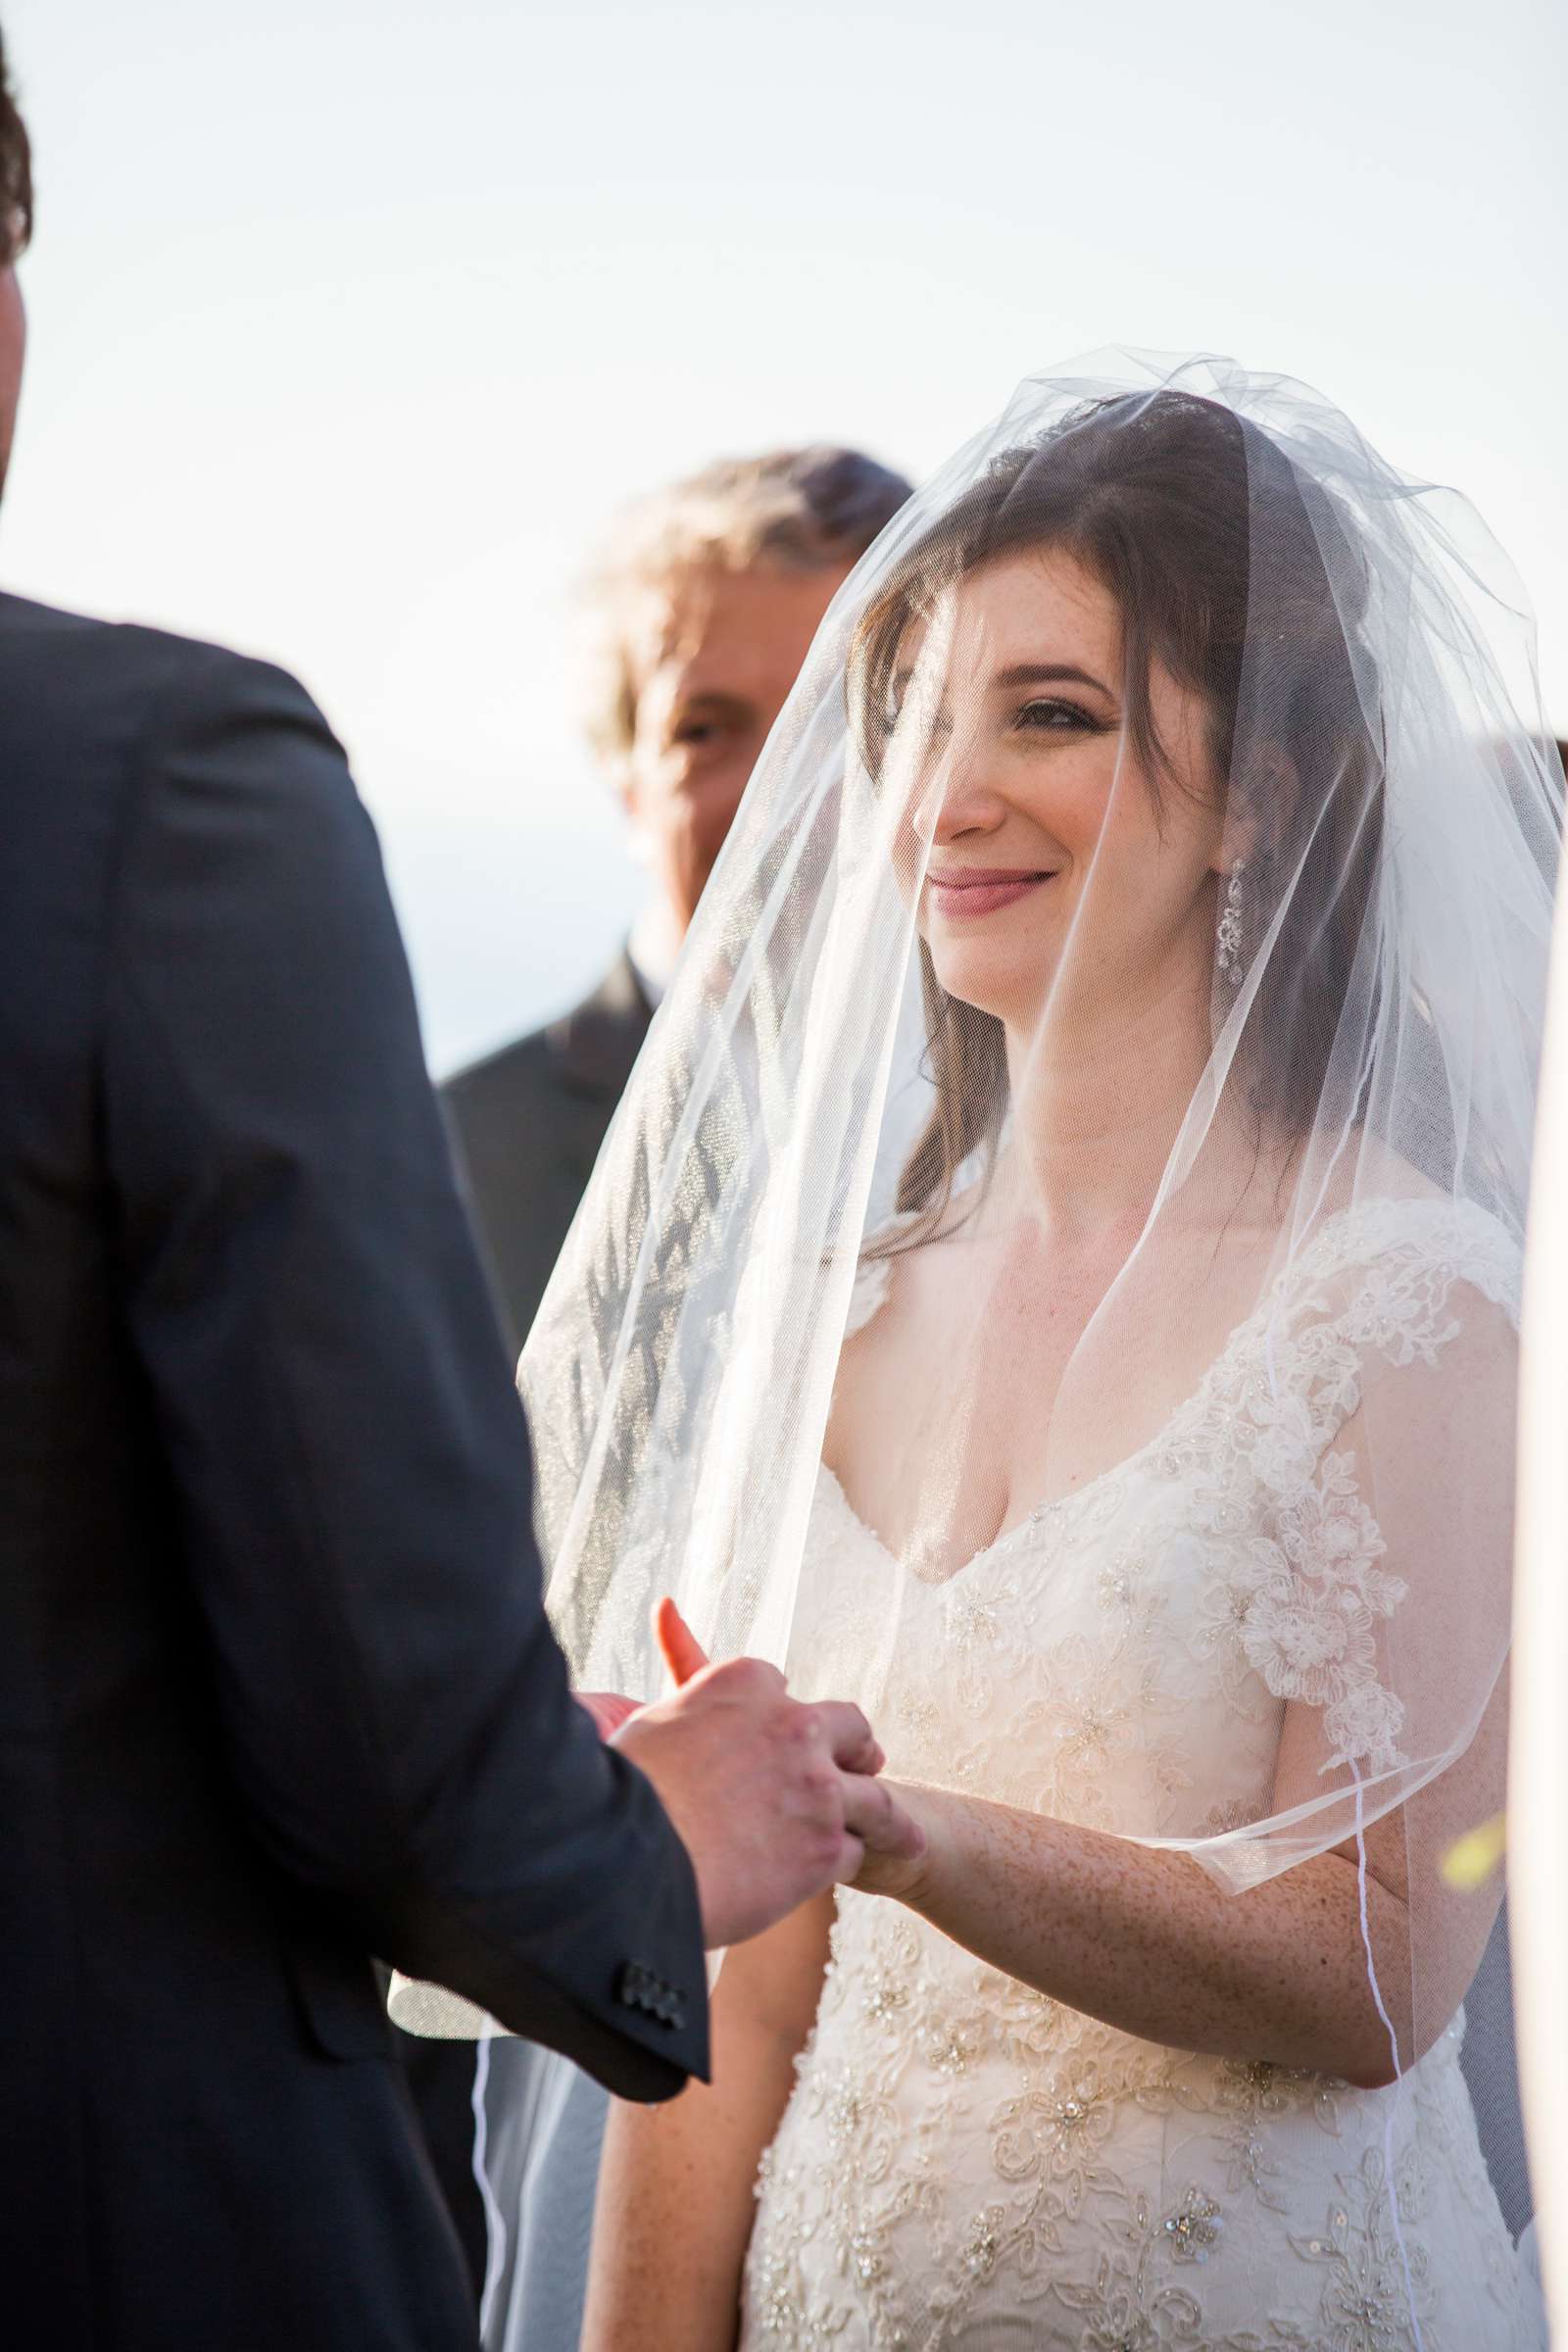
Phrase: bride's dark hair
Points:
(1238, 574)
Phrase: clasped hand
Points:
(774, 1800)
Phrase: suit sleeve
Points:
(335, 1401)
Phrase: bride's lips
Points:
(981, 889)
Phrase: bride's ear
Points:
(1258, 810)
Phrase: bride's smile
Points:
(1044, 828)
(962, 892)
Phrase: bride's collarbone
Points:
(941, 1457)
(972, 1403)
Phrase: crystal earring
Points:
(1230, 927)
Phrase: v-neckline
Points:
(1056, 1505)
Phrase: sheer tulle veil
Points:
(1537, 1842)
(1325, 832)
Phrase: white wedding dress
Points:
(964, 2162)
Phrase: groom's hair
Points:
(16, 171)
(792, 509)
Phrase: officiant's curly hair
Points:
(812, 508)
(16, 170)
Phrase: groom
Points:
(277, 1690)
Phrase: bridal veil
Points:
(1317, 723)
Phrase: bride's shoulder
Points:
(873, 1279)
(900, 1257)
(1401, 1236)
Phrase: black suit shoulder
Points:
(588, 1051)
(527, 1123)
(92, 699)
(142, 649)
(54, 644)
(528, 1065)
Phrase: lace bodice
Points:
(966, 2162)
(1124, 1652)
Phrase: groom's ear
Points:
(16, 173)
(16, 228)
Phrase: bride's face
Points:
(1052, 858)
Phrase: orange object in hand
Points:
(681, 1653)
(679, 1647)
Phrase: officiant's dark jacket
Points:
(277, 1691)
(528, 1122)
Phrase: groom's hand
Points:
(773, 1800)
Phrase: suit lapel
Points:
(595, 1046)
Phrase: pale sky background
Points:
(353, 321)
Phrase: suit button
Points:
(631, 1986)
(638, 1988)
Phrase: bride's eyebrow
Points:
(1048, 673)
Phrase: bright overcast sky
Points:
(353, 321)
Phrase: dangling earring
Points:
(1230, 927)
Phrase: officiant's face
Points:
(1062, 879)
(714, 655)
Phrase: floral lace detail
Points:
(968, 2162)
(1300, 1592)
(1309, 1602)
(1121, 2194)
(1376, 2283)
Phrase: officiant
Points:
(698, 616)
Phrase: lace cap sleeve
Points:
(1362, 1537)
(1389, 1267)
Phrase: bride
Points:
(1054, 1279)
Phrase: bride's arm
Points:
(674, 2208)
(1146, 1941)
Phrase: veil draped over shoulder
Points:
(1103, 1060)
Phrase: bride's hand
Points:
(892, 1868)
(896, 1837)
(607, 1709)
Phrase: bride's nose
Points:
(954, 797)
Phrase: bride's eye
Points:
(1053, 716)
(935, 728)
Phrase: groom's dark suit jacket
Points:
(277, 1691)
(527, 1123)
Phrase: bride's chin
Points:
(993, 985)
